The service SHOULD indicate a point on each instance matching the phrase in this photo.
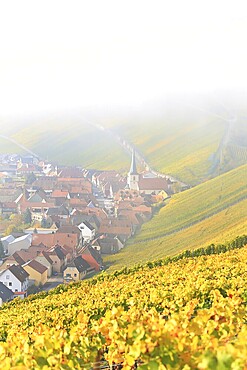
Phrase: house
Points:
(76, 270)
(87, 231)
(145, 185)
(41, 230)
(92, 257)
(23, 242)
(44, 259)
(108, 245)
(5, 241)
(115, 227)
(8, 208)
(58, 257)
(36, 271)
(23, 256)
(7, 262)
(6, 294)
(16, 279)
(71, 240)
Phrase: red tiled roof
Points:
(49, 240)
(157, 183)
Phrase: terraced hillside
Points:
(181, 314)
(70, 141)
(176, 144)
(211, 212)
(7, 147)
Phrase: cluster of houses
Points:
(77, 217)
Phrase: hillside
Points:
(179, 140)
(68, 140)
(7, 147)
(167, 315)
(215, 211)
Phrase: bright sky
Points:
(57, 55)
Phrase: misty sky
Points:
(57, 55)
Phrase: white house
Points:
(5, 241)
(87, 231)
(23, 242)
(16, 279)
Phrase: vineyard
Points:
(177, 145)
(220, 228)
(196, 204)
(185, 313)
(212, 212)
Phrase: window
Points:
(16, 290)
(7, 277)
(10, 283)
(75, 275)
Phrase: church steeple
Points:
(133, 176)
(133, 170)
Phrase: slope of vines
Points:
(185, 313)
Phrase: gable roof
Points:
(90, 251)
(35, 265)
(86, 223)
(18, 272)
(157, 183)
(5, 293)
(80, 264)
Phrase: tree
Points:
(2, 254)
(27, 216)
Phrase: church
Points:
(143, 183)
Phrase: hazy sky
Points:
(64, 54)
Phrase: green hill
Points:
(184, 313)
(212, 212)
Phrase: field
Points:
(188, 314)
(211, 212)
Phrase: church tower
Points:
(133, 176)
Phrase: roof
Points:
(86, 223)
(80, 264)
(50, 240)
(8, 239)
(157, 183)
(35, 265)
(23, 237)
(5, 293)
(18, 272)
(90, 251)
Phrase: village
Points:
(74, 218)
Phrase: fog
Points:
(110, 55)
